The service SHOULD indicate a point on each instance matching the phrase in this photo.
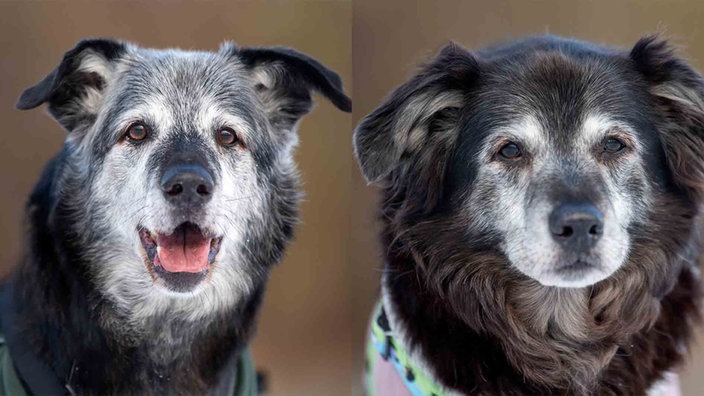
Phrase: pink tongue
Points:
(186, 250)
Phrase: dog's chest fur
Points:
(492, 332)
(520, 362)
(94, 346)
(163, 356)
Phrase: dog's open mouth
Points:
(182, 259)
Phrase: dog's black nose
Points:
(187, 184)
(576, 226)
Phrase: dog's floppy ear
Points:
(429, 102)
(284, 78)
(74, 89)
(679, 92)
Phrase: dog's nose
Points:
(187, 184)
(576, 226)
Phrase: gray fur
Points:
(107, 189)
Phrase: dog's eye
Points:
(613, 145)
(226, 137)
(137, 132)
(510, 150)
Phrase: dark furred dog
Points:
(541, 215)
(152, 233)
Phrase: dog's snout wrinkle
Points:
(576, 226)
(187, 184)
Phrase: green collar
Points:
(9, 380)
(246, 383)
(382, 344)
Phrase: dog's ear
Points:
(679, 93)
(284, 78)
(75, 88)
(428, 103)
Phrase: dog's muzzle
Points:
(180, 257)
(577, 227)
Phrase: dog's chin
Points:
(575, 273)
(181, 260)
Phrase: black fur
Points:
(302, 68)
(65, 82)
(89, 335)
(463, 307)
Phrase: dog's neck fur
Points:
(470, 361)
(84, 337)
(481, 328)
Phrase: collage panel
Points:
(351, 197)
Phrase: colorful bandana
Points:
(384, 351)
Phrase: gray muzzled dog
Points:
(153, 231)
(541, 218)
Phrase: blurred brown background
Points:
(391, 37)
(314, 319)
(303, 340)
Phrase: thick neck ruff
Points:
(390, 369)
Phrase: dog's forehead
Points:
(186, 69)
(553, 101)
(559, 98)
(181, 79)
(192, 89)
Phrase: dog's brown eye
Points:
(510, 151)
(613, 145)
(137, 132)
(226, 137)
